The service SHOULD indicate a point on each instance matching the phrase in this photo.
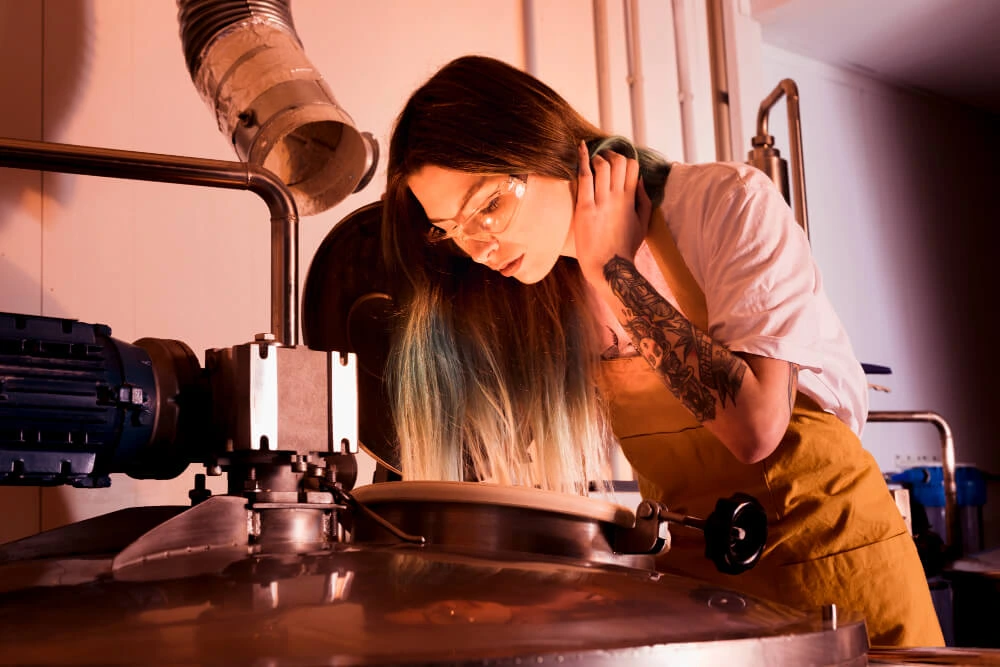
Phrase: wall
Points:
(899, 195)
(192, 263)
(20, 209)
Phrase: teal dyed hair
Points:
(653, 166)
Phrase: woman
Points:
(553, 299)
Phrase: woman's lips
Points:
(510, 268)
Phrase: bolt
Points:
(299, 463)
(829, 613)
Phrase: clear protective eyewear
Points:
(491, 218)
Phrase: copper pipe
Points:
(93, 161)
(684, 80)
(529, 37)
(763, 145)
(633, 57)
(947, 462)
(602, 58)
(720, 80)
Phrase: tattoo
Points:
(668, 340)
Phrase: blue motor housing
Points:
(77, 405)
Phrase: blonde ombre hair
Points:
(500, 387)
(492, 379)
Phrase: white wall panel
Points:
(746, 87)
(20, 207)
(903, 230)
(20, 190)
(660, 86)
(374, 54)
(564, 51)
(88, 240)
(202, 254)
(692, 16)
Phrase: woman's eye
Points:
(492, 205)
(486, 217)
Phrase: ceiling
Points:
(949, 48)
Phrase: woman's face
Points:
(534, 216)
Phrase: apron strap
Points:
(689, 295)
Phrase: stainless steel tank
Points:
(377, 599)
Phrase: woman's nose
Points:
(481, 249)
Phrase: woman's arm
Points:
(745, 400)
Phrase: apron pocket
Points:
(883, 581)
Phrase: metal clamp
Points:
(735, 532)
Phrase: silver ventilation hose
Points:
(248, 64)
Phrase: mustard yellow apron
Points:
(834, 533)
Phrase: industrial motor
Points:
(77, 405)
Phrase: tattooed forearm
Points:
(669, 341)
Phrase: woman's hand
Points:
(612, 212)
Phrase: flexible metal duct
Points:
(248, 64)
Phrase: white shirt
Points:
(763, 290)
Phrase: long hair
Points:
(491, 378)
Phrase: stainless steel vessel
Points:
(70, 596)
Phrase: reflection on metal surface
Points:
(488, 517)
(495, 528)
(368, 605)
(527, 575)
(215, 528)
(343, 409)
(337, 587)
(934, 656)
(269, 397)
(110, 532)
(262, 412)
(829, 612)
(292, 527)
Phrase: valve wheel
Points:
(735, 533)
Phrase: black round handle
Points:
(735, 533)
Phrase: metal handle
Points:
(735, 532)
(354, 503)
